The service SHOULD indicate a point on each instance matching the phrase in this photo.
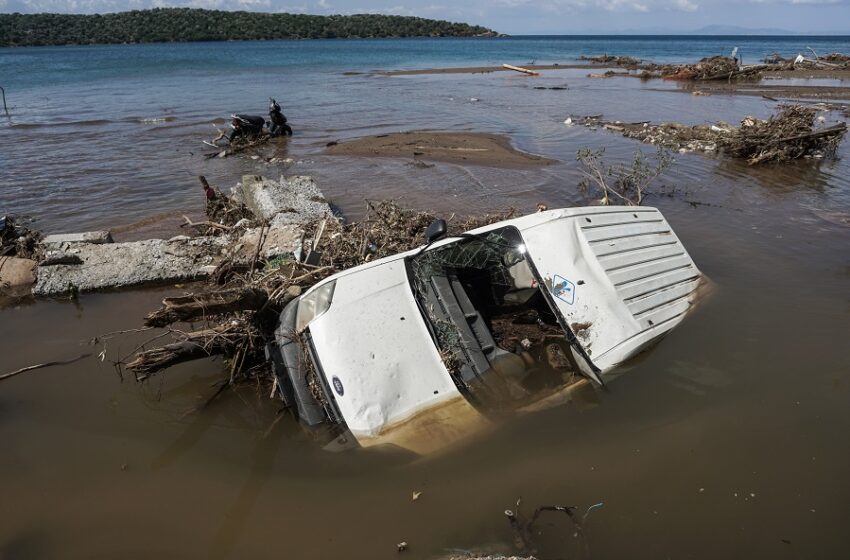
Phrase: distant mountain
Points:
(735, 30)
(185, 24)
(713, 30)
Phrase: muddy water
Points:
(728, 439)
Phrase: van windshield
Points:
(495, 330)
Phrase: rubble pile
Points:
(19, 249)
(837, 58)
(674, 136)
(17, 239)
(831, 61)
(710, 68)
(624, 61)
(790, 134)
(722, 67)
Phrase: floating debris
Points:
(788, 135)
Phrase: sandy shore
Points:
(771, 91)
(454, 147)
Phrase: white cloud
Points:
(613, 6)
(685, 5)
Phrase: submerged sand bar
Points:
(454, 147)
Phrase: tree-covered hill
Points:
(186, 24)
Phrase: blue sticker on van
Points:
(338, 386)
(564, 290)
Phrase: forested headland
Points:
(186, 24)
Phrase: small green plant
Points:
(621, 184)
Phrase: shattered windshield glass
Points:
(495, 330)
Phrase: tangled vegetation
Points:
(792, 133)
(163, 25)
(621, 184)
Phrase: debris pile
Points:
(710, 68)
(831, 61)
(674, 136)
(225, 244)
(19, 250)
(837, 58)
(239, 311)
(17, 239)
(714, 68)
(238, 145)
(788, 135)
(624, 61)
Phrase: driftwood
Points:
(521, 69)
(44, 365)
(199, 306)
(221, 339)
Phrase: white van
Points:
(422, 348)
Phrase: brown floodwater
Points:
(726, 440)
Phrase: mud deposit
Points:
(726, 440)
(452, 147)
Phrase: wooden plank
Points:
(521, 69)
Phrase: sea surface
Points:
(104, 135)
(727, 440)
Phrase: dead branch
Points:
(44, 365)
(197, 306)
(190, 223)
(195, 345)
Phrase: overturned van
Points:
(422, 348)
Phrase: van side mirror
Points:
(436, 230)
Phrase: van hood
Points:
(376, 352)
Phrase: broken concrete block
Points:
(293, 200)
(96, 237)
(16, 272)
(119, 265)
(279, 240)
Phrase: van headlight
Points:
(313, 305)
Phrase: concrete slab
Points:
(291, 200)
(97, 237)
(121, 265)
(278, 240)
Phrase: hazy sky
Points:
(525, 16)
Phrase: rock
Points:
(96, 237)
(293, 200)
(16, 272)
(119, 265)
